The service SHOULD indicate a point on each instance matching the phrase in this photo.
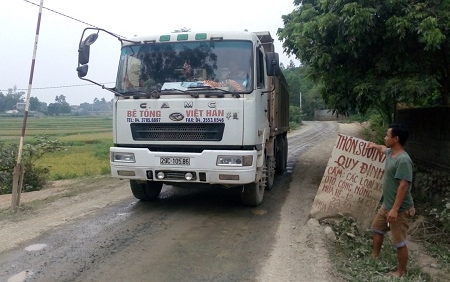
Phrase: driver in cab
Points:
(234, 72)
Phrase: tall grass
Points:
(78, 161)
(351, 253)
(86, 141)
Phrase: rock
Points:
(329, 234)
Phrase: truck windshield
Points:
(169, 66)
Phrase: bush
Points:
(34, 177)
(442, 215)
(295, 114)
(295, 117)
(376, 129)
(352, 251)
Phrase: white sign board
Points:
(352, 183)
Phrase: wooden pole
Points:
(19, 170)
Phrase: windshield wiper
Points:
(207, 87)
(174, 89)
(195, 95)
(142, 94)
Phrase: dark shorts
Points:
(399, 228)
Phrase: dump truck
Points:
(196, 108)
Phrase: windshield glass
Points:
(186, 65)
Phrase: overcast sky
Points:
(57, 51)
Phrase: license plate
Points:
(174, 161)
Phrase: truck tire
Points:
(145, 190)
(281, 154)
(253, 193)
(285, 151)
(271, 165)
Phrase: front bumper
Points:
(202, 166)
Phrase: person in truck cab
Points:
(236, 73)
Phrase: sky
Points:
(59, 36)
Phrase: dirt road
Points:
(94, 230)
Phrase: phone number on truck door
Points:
(205, 119)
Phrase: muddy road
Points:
(187, 235)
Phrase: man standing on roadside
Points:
(398, 206)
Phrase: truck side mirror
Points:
(83, 53)
(82, 70)
(272, 64)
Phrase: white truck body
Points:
(176, 120)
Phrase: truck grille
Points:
(177, 131)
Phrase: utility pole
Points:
(18, 168)
(300, 101)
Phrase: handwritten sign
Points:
(352, 183)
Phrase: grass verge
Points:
(351, 253)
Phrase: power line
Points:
(62, 14)
(69, 17)
(61, 86)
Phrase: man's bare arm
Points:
(403, 187)
(379, 148)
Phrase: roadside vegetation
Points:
(365, 60)
(54, 148)
(352, 249)
(351, 252)
(352, 256)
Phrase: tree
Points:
(86, 107)
(299, 82)
(9, 101)
(35, 177)
(61, 99)
(373, 53)
(101, 105)
(43, 107)
(60, 107)
(35, 104)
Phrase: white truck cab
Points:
(197, 108)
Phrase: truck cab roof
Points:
(263, 37)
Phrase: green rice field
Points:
(86, 141)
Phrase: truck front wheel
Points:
(145, 190)
(253, 193)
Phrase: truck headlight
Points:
(122, 157)
(234, 160)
